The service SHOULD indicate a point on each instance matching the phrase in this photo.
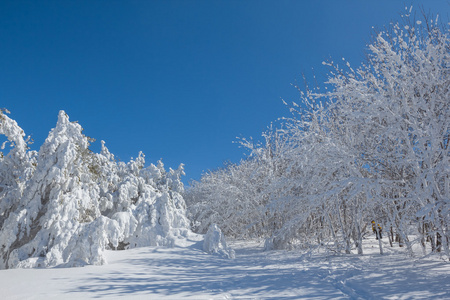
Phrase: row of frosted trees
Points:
(372, 147)
(64, 205)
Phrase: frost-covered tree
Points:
(59, 198)
(70, 204)
(16, 166)
(398, 105)
(239, 200)
(372, 148)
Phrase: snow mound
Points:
(215, 243)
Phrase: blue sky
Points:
(178, 80)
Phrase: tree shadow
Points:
(189, 272)
(182, 272)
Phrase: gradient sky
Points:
(178, 80)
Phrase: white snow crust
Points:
(186, 272)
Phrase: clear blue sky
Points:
(178, 80)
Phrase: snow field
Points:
(187, 272)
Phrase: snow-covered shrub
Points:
(75, 204)
(215, 243)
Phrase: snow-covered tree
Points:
(16, 166)
(372, 148)
(71, 204)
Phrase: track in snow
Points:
(186, 272)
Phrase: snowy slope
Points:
(186, 272)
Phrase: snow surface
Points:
(187, 272)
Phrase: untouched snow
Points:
(186, 272)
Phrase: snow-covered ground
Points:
(186, 272)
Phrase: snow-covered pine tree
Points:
(16, 167)
(76, 204)
(59, 198)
